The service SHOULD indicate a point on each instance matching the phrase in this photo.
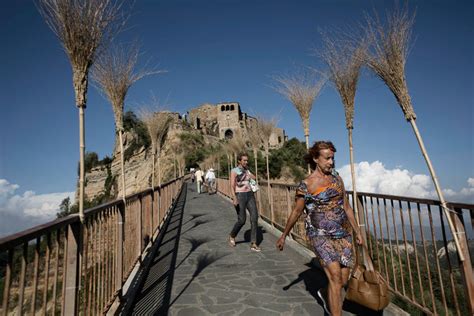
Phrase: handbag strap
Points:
(365, 258)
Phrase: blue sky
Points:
(217, 51)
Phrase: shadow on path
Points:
(150, 291)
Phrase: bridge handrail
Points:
(413, 264)
(91, 262)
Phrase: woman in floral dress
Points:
(329, 222)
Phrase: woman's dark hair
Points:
(315, 151)
(240, 155)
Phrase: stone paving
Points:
(193, 271)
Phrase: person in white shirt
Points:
(211, 181)
(199, 175)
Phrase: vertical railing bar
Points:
(390, 244)
(35, 275)
(21, 294)
(398, 249)
(63, 290)
(94, 266)
(367, 226)
(451, 279)
(383, 242)
(85, 271)
(100, 284)
(90, 265)
(106, 257)
(8, 279)
(46, 273)
(407, 255)
(375, 233)
(435, 254)
(433, 304)
(413, 236)
(56, 268)
(109, 254)
(446, 248)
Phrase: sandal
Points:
(255, 248)
(231, 241)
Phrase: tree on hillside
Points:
(386, 57)
(343, 54)
(84, 28)
(301, 89)
(114, 73)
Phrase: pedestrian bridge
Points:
(164, 251)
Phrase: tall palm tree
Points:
(344, 59)
(301, 89)
(84, 28)
(387, 57)
(114, 73)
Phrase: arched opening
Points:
(228, 134)
(222, 108)
(227, 107)
(198, 123)
(231, 107)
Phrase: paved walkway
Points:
(192, 271)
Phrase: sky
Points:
(229, 50)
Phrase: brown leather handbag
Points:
(366, 286)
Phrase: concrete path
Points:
(191, 270)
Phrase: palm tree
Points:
(114, 73)
(301, 89)
(344, 59)
(84, 28)
(387, 57)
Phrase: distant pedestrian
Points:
(243, 196)
(329, 223)
(211, 181)
(199, 175)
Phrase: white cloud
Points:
(22, 211)
(376, 178)
(465, 195)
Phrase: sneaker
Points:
(322, 294)
(231, 241)
(255, 248)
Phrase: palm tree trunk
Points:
(255, 153)
(306, 136)
(269, 188)
(82, 148)
(174, 164)
(153, 170)
(159, 169)
(354, 196)
(438, 189)
(122, 164)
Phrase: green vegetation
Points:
(132, 124)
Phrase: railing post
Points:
(270, 198)
(362, 223)
(119, 249)
(72, 269)
(465, 266)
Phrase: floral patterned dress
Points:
(327, 225)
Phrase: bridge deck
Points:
(190, 270)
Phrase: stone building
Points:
(226, 119)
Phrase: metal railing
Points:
(71, 268)
(409, 241)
